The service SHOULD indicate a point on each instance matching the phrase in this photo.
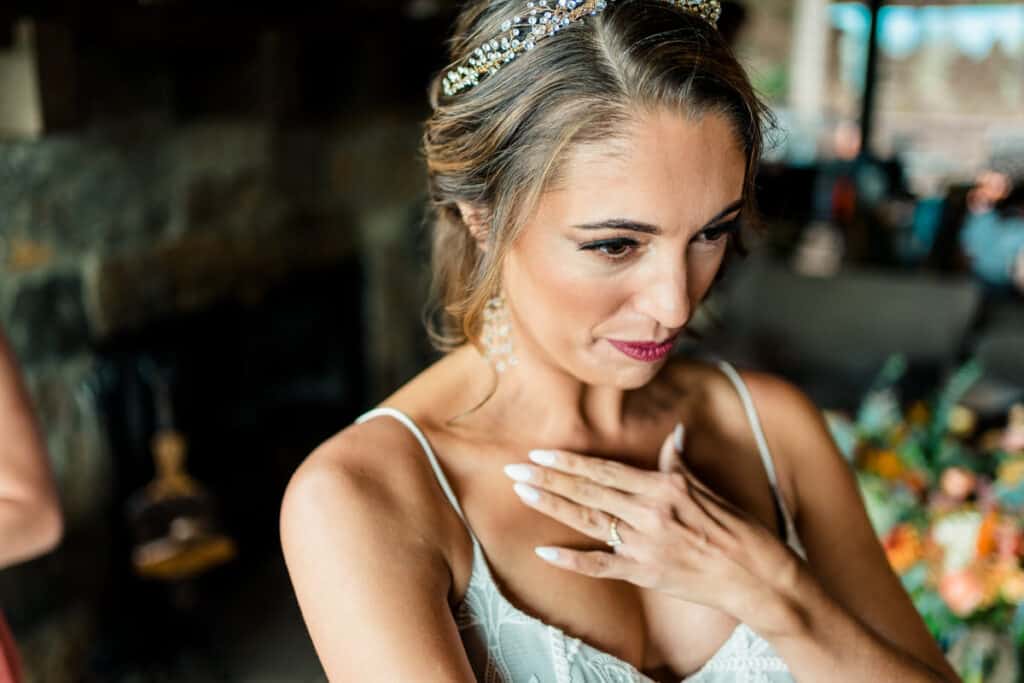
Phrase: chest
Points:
(662, 636)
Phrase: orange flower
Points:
(884, 463)
(992, 575)
(915, 481)
(918, 413)
(1013, 587)
(986, 542)
(963, 591)
(902, 547)
(898, 432)
(1000, 578)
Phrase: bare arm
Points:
(857, 623)
(30, 519)
(371, 581)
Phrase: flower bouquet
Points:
(947, 501)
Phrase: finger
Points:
(688, 504)
(596, 563)
(580, 490)
(671, 455)
(587, 520)
(706, 515)
(698, 539)
(692, 500)
(705, 494)
(671, 459)
(701, 503)
(601, 470)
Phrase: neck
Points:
(542, 403)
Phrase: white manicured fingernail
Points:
(677, 437)
(518, 472)
(549, 554)
(527, 493)
(543, 457)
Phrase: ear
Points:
(476, 220)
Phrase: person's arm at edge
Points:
(31, 522)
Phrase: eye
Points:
(614, 249)
(718, 233)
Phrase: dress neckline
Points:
(481, 571)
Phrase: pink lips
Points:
(645, 351)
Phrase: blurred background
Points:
(213, 256)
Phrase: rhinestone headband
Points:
(540, 20)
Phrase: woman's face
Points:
(625, 248)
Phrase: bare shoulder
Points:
(364, 537)
(773, 391)
(781, 403)
(376, 465)
(795, 429)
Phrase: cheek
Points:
(701, 272)
(562, 293)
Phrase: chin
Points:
(626, 374)
(642, 376)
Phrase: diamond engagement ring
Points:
(613, 533)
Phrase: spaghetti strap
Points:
(755, 422)
(434, 463)
(785, 519)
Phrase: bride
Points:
(557, 499)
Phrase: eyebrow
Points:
(638, 226)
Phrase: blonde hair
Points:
(499, 145)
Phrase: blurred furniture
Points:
(1002, 354)
(999, 346)
(946, 255)
(832, 335)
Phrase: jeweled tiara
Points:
(542, 19)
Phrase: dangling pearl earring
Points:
(495, 337)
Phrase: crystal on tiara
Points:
(540, 21)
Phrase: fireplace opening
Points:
(253, 388)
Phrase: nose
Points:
(665, 296)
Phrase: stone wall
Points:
(103, 234)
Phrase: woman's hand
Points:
(678, 536)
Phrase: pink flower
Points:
(1008, 539)
(957, 482)
(962, 591)
(1013, 437)
(1013, 440)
